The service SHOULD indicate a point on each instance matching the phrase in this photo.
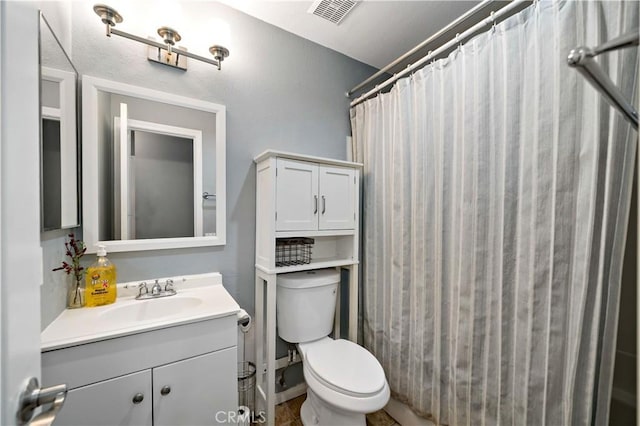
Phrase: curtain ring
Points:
(493, 21)
(410, 71)
(429, 53)
(458, 41)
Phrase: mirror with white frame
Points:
(153, 167)
(58, 134)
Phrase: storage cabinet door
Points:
(110, 402)
(337, 198)
(196, 391)
(296, 196)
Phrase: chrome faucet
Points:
(156, 290)
(142, 287)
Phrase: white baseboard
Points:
(294, 392)
(403, 414)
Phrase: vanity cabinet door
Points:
(337, 198)
(196, 391)
(125, 400)
(297, 200)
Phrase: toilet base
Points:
(315, 411)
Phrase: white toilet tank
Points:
(305, 304)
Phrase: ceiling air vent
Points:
(332, 10)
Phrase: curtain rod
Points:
(495, 16)
(459, 20)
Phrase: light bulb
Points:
(167, 13)
(220, 33)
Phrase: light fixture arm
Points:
(163, 46)
(110, 17)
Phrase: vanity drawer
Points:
(93, 362)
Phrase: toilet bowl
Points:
(345, 381)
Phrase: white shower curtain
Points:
(496, 195)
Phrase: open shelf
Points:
(326, 251)
(315, 264)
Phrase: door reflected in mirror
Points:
(158, 182)
(51, 185)
(58, 134)
(161, 176)
(156, 165)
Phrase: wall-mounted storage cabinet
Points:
(308, 207)
(311, 197)
(303, 196)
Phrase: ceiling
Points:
(374, 32)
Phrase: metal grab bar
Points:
(582, 58)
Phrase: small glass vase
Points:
(75, 293)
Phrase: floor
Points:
(288, 414)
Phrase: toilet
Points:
(345, 381)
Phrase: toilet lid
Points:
(346, 367)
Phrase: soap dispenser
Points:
(101, 281)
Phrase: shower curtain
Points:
(496, 192)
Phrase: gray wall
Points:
(281, 92)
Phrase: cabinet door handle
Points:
(315, 200)
(138, 398)
(324, 204)
(166, 390)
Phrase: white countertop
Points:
(203, 296)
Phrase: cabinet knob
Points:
(166, 390)
(137, 398)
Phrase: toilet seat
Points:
(346, 367)
(363, 389)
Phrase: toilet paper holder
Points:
(244, 320)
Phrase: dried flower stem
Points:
(75, 249)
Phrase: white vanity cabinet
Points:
(178, 371)
(312, 196)
(192, 391)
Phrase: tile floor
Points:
(288, 414)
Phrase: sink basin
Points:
(150, 309)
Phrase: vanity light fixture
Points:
(166, 53)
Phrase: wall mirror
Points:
(153, 167)
(58, 133)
